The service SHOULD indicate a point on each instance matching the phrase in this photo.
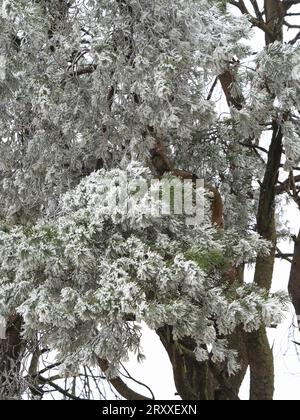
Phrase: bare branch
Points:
(297, 37)
(120, 386)
(257, 11)
(286, 185)
(128, 376)
(254, 20)
(212, 89)
(284, 256)
(59, 389)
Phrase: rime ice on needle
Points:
(84, 96)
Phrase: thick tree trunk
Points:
(193, 380)
(202, 381)
(259, 351)
(237, 342)
(294, 283)
(11, 352)
(266, 225)
(261, 366)
(275, 12)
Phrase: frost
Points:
(79, 278)
(83, 262)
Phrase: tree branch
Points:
(286, 186)
(294, 40)
(120, 386)
(257, 11)
(59, 389)
(289, 3)
(259, 23)
(284, 256)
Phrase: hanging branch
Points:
(120, 386)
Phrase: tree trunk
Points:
(202, 381)
(275, 12)
(294, 283)
(261, 366)
(259, 351)
(193, 380)
(11, 352)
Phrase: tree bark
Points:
(202, 381)
(294, 282)
(193, 380)
(11, 352)
(259, 351)
(275, 12)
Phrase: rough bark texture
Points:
(202, 381)
(259, 351)
(294, 283)
(266, 210)
(275, 12)
(11, 350)
(261, 366)
(193, 380)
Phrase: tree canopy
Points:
(95, 95)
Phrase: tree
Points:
(102, 97)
